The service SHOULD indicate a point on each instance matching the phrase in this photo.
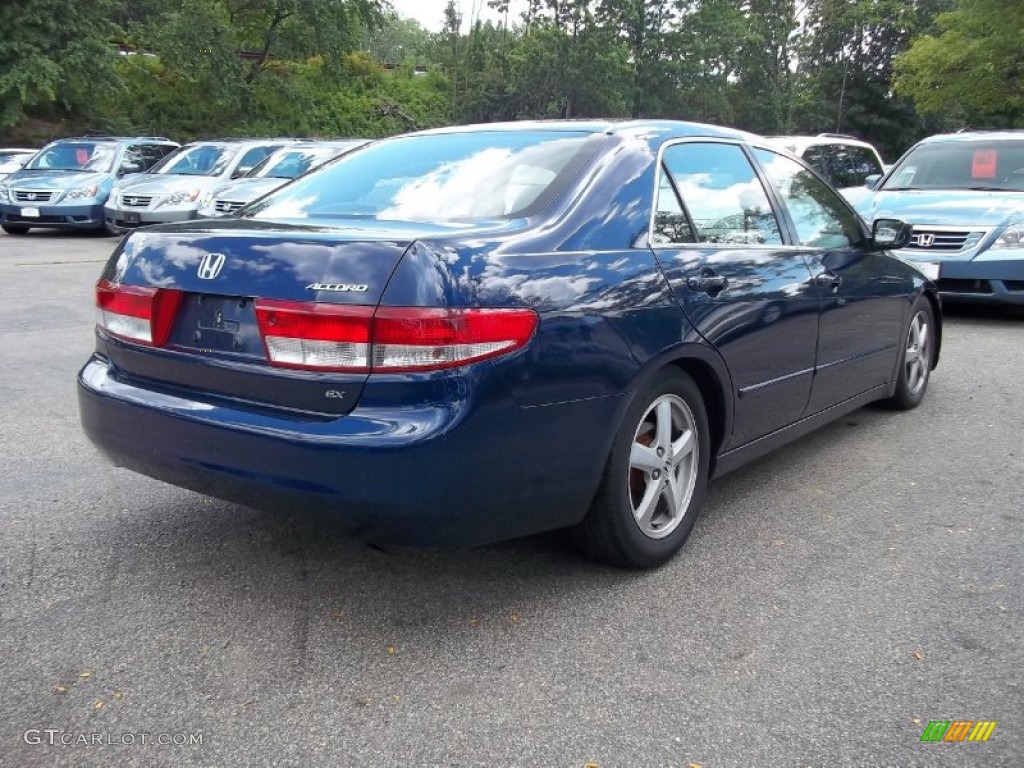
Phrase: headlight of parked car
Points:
(4, 197)
(81, 192)
(181, 196)
(1011, 237)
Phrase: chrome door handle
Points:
(706, 283)
(828, 280)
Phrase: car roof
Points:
(825, 138)
(608, 126)
(116, 139)
(967, 136)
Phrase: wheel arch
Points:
(714, 393)
(705, 366)
(936, 304)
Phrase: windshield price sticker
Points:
(984, 164)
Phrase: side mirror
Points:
(891, 233)
(128, 168)
(872, 181)
(241, 171)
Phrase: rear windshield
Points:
(440, 177)
(75, 156)
(986, 165)
(197, 160)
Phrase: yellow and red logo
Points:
(958, 730)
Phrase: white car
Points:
(844, 161)
(13, 159)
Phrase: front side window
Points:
(982, 165)
(722, 194)
(439, 177)
(75, 156)
(819, 215)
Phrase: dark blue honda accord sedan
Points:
(478, 333)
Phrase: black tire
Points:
(916, 358)
(111, 230)
(611, 532)
(14, 229)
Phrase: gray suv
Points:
(176, 188)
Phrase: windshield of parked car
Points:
(11, 163)
(75, 156)
(438, 177)
(197, 160)
(291, 162)
(981, 165)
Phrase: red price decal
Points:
(82, 156)
(984, 165)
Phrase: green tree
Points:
(973, 69)
(53, 56)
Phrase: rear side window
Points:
(821, 218)
(817, 159)
(722, 194)
(252, 157)
(850, 165)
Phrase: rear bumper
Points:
(55, 216)
(430, 475)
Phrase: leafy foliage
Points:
(353, 68)
(973, 69)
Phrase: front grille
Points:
(227, 206)
(136, 201)
(33, 195)
(1014, 285)
(953, 285)
(15, 219)
(944, 239)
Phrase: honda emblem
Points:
(210, 266)
(926, 240)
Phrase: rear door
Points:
(720, 245)
(862, 297)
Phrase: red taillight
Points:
(316, 336)
(135, 312)
(342, 338)
(415, 339)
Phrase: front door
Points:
(862, 300)
(750, 295)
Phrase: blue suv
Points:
(963, 193)
(66, 183)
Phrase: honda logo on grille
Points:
(210, 266)
(926, 241)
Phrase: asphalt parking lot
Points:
(834, 598)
